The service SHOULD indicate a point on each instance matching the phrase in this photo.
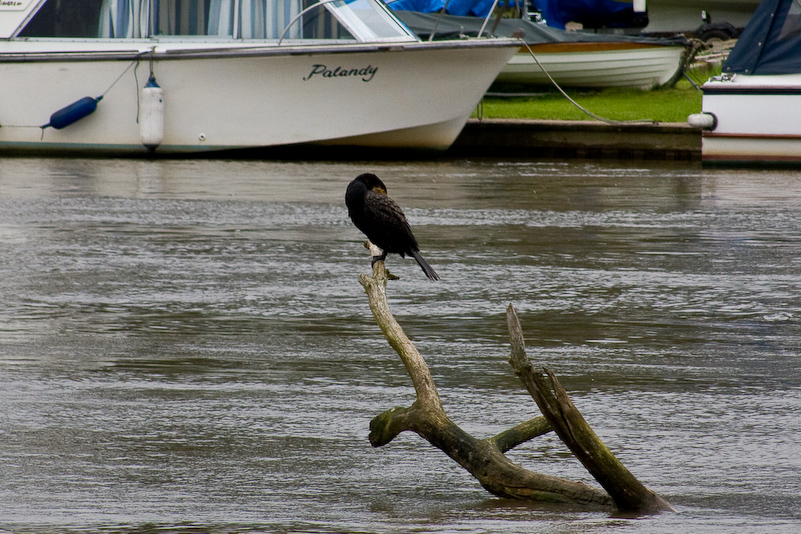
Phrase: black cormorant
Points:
(382, 221)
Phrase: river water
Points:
(185, 347)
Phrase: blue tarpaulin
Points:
(556, 12)
(559, 12)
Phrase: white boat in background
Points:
(573, 59)
(183, 76)
(596, 65)
(752, 112)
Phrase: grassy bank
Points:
(662, 105)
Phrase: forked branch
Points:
(484, 458)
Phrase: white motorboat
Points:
(183, 76)
(596, 65)
(752, 112)
(572, 59)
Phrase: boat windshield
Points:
(355, 20)
(367, 18)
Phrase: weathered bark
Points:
(483, 458)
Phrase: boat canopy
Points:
(453, 27)
(557, 13)
(359, 20)
(771, 43)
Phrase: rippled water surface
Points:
(184, 345)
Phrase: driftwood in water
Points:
(484, 458)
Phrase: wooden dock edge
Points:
(578, 139)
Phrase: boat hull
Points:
(596, 65)
(758, 119)
(414, 95)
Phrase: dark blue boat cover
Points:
(771, 43)
(556, 12)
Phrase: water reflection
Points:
(184, 344)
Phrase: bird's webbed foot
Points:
(382, 257)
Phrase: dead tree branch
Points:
(484, 458)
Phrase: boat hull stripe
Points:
(741, 90)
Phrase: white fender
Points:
(151, 114)
(704, 121)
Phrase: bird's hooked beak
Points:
(379, 189)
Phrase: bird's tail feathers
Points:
(430, 272)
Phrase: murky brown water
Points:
(184, 345)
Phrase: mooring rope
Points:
(134, 62)
(579, 106)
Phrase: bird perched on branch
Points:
(382, 221)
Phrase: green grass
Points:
(662, 105)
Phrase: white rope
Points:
(579, 106)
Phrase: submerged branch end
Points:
(386, 426)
